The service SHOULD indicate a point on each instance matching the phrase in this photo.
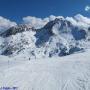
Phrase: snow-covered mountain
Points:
(59, 37)
(29, 67)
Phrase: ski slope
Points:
(70, 72)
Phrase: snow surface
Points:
(70, 72)
(27, 64)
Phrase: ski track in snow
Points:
(61, 73)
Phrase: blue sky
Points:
(16, 9)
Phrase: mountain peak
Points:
(58, 37)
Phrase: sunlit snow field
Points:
(70, 72)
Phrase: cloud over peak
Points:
(39, 22)
(35, 22)
(5, 24)
(78, 20)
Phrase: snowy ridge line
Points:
(58, 37)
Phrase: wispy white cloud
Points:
(83, 19)
(87, 8)
(35, 22)
(39, 22)
(79, 20)
(5, 24)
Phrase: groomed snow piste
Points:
(70, 72)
